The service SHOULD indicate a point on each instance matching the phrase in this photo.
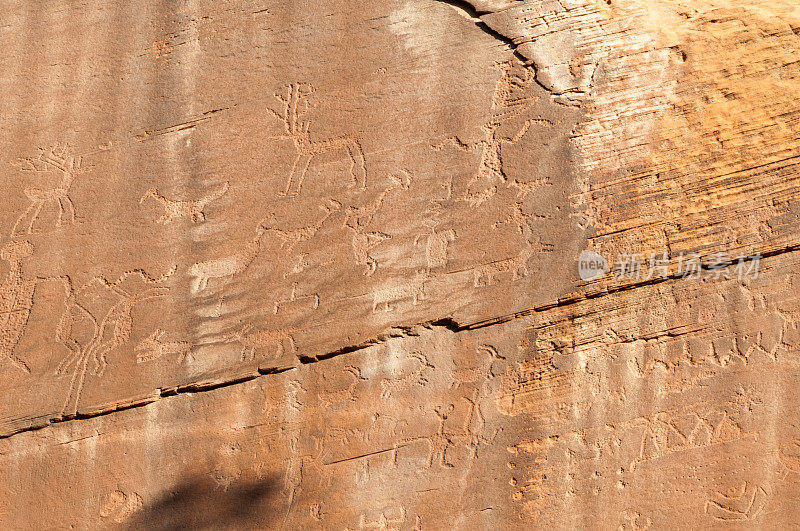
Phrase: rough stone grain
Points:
(273, 264)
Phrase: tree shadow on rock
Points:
(201, 504)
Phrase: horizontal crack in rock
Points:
(445, 323)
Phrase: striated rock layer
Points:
(500, 264)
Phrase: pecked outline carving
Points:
(57, 158)
(505, 106)
(295, 106)
(111, 330)
(261, 339)
(17, 298)
(177, 209)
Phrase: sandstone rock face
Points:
(420, 264)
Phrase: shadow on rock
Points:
(202, 504)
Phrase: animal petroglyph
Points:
(416, 377)
(363, 242)
(358, 219)
(177, 209)
(251, 341)
(239, 261)
(56, 158)
(413, 290)
(16, 300)
(227, 266)
(328, 398)
(517, 266)
(389, 520)
(154, 347)
(506, 104)
(295, 106)
(741, 503)
(519, 219)
(290, 238)
(98, 319)
(475, 374)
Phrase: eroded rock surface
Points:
(316, 264)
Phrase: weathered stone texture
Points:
(286, 264)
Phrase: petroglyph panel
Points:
(285, 264)
(285, 216)
(502, 426)
(306, 208)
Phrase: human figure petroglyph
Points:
(358, 219)
(154, 347)
(57, 158)
(226, 266)
(104, 308)
(16, 299)
(693, 427)
(661, 437)
(413, 290)
(440, 442)
(299, 462)
(296, 105)
(177, 209)
(475, 425)
(253, 340)
(507, 103)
